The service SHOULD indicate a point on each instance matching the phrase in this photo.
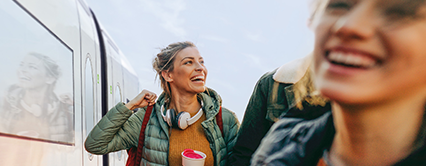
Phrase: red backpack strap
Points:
(219, 120)
(135, 154)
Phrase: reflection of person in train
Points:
(369, 60)
(183, 74)
(31, 108)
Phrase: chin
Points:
(335, 91)
(339, 91)
(25, 86)
(347, 97)
(336, 96)
(200, 90)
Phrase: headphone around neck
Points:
(182, 120)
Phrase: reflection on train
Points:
(60, 73)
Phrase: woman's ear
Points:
(167, 76)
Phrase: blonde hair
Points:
(164, 62)
(304, 90)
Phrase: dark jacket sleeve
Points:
(295, 141)
(254, 126)
(274, 142)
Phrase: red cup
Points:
(193, 158)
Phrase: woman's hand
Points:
(144, 98)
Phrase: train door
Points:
(90, 97)
(115, 81)
(131, 85)
(118, 156)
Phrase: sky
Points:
(240, 40)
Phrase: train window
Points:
(89, 109)
(37, 79)
(117, 96)
(89, 97)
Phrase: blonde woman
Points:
(181, 70)
(369, 61)
(280, 93)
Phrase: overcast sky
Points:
(240, 40)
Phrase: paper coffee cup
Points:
(187, 161)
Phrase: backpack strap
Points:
(219, 120)
(135, 155)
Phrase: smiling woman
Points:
(369, 61)
(190, 71)
(184, 115)
(31, 107)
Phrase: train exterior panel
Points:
(61, 72)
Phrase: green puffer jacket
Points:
(119, 129)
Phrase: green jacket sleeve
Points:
(230, 129)
(119, 129)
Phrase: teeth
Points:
(340, 58)
(24, 78)
(198, 77)
(351, 59)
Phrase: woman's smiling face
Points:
(189, 73)
(370, 51)
(33, 74)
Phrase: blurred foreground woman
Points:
(369, 61)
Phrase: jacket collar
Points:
(211, 100)
(293, 71)
(290, 73)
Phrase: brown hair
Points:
(164, 62)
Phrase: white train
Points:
(60, 72)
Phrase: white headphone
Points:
(181, 120)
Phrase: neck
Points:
(187, 103)
(381, 134)
(35, 96)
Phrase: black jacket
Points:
(301, 142)
(270, 101)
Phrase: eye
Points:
(202, 61)
(339, 6)
(187, 62)
(404, 10)
(398, 13)
(33, 67)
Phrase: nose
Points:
(22, 69)
(359, 23)
(199, 67)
